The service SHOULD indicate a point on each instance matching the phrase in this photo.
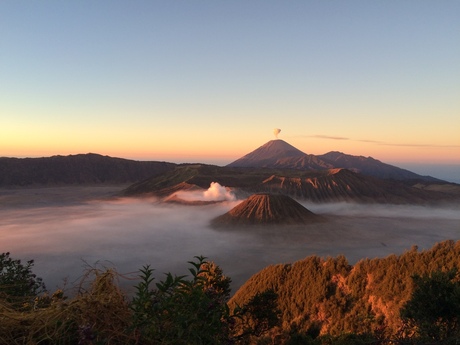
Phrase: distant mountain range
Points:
(276, 167)
(332, 185)
(280, 154)
(76, 169)
(279, 168)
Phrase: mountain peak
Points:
(281, 145)
(267, 209)
(268, 154)
(277, 148)
(278, 154)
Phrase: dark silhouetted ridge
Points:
(76, 169)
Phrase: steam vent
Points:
(266, 209)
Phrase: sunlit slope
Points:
(319, 186)
(331, 296)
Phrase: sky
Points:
(207, 81)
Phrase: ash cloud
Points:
(129, 233)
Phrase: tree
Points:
(434, 308)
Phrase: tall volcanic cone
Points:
(279, 154)
(268, 154)
(266, 209)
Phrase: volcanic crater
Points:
(267, 209)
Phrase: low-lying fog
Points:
(129, 233)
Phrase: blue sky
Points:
(209, 80)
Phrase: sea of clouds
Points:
(128, 233)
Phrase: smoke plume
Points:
(215, 192)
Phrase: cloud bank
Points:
(129, 233)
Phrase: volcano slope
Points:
(282, 155)
(266, 209)
(332, 185)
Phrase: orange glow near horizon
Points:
(202, 152)
(213, 146)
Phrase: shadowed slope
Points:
(343, 185)
(267, 209)
(189, 176)
(372, 167)
(318, 186)
(279, 154)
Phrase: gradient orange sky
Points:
(208, 81)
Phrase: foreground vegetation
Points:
(176, 310)
(409, 299)
(386, 300)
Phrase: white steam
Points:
(215, 192)
(276, 131)
(218, 193)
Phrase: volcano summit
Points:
(267, 209)
(279, 154)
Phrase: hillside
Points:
(329, 296)
(76, 169)
(266, 209)
(344, 185)
(372, 167)
(188, 176)
(317, 186)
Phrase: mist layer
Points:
(129, 233)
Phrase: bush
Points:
(176, 310)
(180, 310)
(18, 285)
(195, 311)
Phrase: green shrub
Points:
(18, 284)
(181, 310)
